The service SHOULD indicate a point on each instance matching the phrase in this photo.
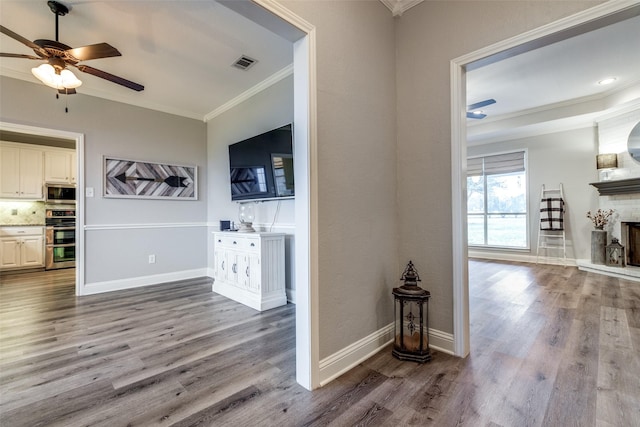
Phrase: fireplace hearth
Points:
(630, 232)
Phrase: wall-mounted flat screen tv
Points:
(261, 167)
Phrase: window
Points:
(497, 201)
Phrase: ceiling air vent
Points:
(244, 62)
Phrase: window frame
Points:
(485, 214)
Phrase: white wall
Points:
(118, 238)
(263, 112)
(564, 157)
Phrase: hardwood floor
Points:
(551, 346)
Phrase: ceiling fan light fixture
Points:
(47, 74)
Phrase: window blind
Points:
(496, 164)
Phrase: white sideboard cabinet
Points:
(249, 268)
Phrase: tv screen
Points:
(261, 167)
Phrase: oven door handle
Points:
(56, 227)
(65, 245)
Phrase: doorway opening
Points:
(586, 21)
(60, 139)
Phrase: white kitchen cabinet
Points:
(21, 247)
(59, 166)
(74, 170)
(249, 268)
(20, 172)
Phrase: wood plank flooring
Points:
(551, 346)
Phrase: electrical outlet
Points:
(152, 259)
(14, 211)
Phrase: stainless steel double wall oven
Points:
(60, 232)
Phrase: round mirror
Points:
(634, 143)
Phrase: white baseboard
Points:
(248, 298)
(504, 256)
(441, 341)
(349, 357)
(340, 362)
(628, 273)
(136, 282)
(291, 295)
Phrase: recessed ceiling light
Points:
(607, 81)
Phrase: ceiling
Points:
(168, 46)
(181, 51)
(557, 85)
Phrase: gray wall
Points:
(357, 209)
(116, 129)
(267, 110)
(429, 36)
(564, 157)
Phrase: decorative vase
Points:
(598, 246)
(246, 215)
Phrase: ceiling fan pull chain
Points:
(66, 100)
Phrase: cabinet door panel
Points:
(235, 261)
(9, 172)
(57, 166)
(243, 271)
(220, 264)
(9, 252)
(31, 251)
(74, 166)
(254, 273)
(31, 173)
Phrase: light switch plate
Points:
(88, 191)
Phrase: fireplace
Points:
(630, 232)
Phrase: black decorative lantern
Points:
(411, 306)
(615, 254)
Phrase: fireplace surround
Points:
(630, 239)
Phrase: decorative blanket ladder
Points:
(551, 234)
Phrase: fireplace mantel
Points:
(620, 186)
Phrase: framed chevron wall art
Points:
(149, 180)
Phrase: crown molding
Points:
(398, 7)
(270, 81)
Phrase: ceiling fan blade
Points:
(28, 43)
(94, 51)
(110, 77)
(19, 55)
(481, 104)
(471, 115)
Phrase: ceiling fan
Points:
(474, 112)
(59, 56)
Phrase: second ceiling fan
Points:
(59, 56)
(474, 112)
